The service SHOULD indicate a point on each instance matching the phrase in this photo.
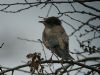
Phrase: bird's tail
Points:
(68, 57)
(64, 55)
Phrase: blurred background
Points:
(25, 25)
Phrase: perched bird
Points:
(55, 38)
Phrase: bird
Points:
(55, 38)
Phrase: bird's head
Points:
(51, 21)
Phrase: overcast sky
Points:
(25, 25)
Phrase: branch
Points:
(28, 40)
(83, 24)
(2, 45)
(15, 68)
(73, 62)
(38, 2)
(55, 61)
(80, 12)
(90, 7)
(96, 37)
(86, 0)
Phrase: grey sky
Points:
(25, 25)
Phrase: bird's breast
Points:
(48, 30)
(54, 31)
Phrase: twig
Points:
(28, 40)
(2, 45)
(15, 68)
(90, 7)
(49, 10)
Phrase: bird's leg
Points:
(61, 61)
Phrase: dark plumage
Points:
(55, 38)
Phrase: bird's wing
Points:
(63, 41)
(62, 47)
(50, 42)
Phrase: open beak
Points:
(41, 21)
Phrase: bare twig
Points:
(2, 45)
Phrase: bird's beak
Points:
(41, 21)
